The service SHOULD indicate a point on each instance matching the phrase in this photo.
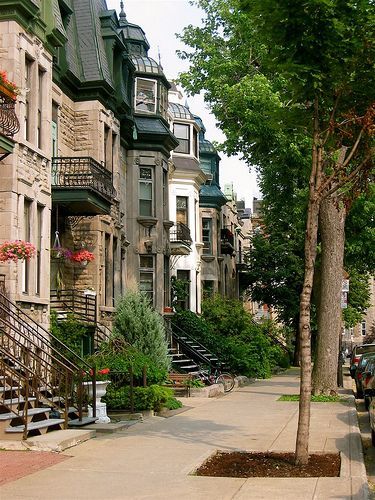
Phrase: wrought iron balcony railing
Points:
(180, 232)
(9, 124)
(82, 173)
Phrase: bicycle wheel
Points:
(227, 380)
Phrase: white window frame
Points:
(147, 100)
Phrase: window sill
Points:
(147, 221)
(207, 258)
(29, 299)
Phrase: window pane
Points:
(181, 131)
(146, 96)
(145, 173)
(146, 261)
(145, 207)
(145, 190)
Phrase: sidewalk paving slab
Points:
(155, 459)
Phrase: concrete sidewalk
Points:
(154, 459)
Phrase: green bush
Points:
(172, 404)
(145, 398)
(228, 331)
(71, 332)
(119, 356)
(140, 325)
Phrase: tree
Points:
(142, 327)
(281, 78)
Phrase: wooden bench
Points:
(179, 381)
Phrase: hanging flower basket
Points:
(61, 254)
(16, 250)
(82, 257)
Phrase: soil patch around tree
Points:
(268, 464)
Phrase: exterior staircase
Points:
(41, 388)
(187, 354)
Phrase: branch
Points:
(328, 133)
(346, 180)
(354, 148)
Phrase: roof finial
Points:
(122, 16)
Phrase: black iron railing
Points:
(76, 301)
(51, 372)
(9, 124)
(82, 173)
(180, 232)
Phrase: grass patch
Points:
(314, 399)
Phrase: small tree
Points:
(142, 327)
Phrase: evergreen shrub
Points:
(142, 327)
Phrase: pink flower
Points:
(16, 250)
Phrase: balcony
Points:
(227, 242)
(82, 185)
(180, 239)
(9, 124)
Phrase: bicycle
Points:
(216, 376)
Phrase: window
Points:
(26, 237)
(183, 301)
(208, 288)
(39, 230)
(363, 328)
(146, 276)
(146, 192)
(107, 146)
(28, 73)
(54, 129)
(182, 132)
(163, 101)
(40, 105)
(182, 210)
(145, 95)
(195, 143)
(108, 272)
(207, 236)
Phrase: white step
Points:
(30, 413)
(15, 401)
(32, 426)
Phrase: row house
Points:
(104, 170)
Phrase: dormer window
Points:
(187, 136)
(145, 95)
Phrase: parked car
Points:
(360, 370)
(371, 411)
(368, 382)
(357, 353)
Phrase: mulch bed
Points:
(269, 464)
(17, 464)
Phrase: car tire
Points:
(367, 402)
(359, 392)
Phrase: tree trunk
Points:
(311, 239)
(332, 225)
(302, 441)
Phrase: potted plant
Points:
(82, 257)
(16, 250)
(61, 254)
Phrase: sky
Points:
(161, 20)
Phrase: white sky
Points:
(161, 20)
